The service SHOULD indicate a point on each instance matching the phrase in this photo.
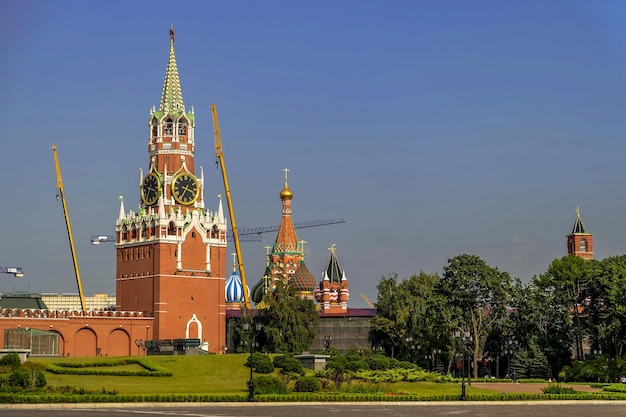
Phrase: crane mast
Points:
(69, 228)
(220, 156)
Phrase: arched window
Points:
(583, 245)
(168, 126)
(171, 230)
(182, 127)
(155, 129)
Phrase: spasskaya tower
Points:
(171, 253)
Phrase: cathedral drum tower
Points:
(171, 254)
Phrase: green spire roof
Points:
(172, 97)
(333, 270)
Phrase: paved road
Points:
(509, 409)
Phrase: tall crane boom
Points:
(97, 239)
(248, 231)
(15, 270)
(219, 153)
(69, 228)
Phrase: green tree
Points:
(606, 306)
(538, 314)
(409, 315)
(478, 297)
(565, 285)
(288, 322)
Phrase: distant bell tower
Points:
(171, 253)
(580, 242)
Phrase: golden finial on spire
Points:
(286, 170)
(332, 248)
(234, 260)
(172, 33)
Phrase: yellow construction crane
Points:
(61, 195)
(220, 156)
(368, 301)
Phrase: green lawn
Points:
(206, 374)
(209, 374)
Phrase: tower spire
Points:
(580, 241)
(172, 96)
(286, 240)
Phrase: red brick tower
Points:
(332, 292)
(580, 242)
(171, 254)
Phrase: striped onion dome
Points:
(234, 289)
(303, 279)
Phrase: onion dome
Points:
(286, 193)
(234, 289)
(262, 287)
(303, 279)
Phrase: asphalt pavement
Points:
(400, 409)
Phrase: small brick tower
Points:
(171, 254)
(332, 292)
(580, 242)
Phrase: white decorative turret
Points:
(122, 213)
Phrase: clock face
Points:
(150, 189)
(185, 188)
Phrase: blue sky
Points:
(433, 128)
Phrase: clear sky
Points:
(434, 128)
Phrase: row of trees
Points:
(477, 310)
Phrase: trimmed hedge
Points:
(83, 368)
(301, 397)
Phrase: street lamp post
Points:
(465, 338)
(512, 347)
(436, 353)
(328, 340)
(412, 348)
(429, 358)
(250, 331)
(140, 344)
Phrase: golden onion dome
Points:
(286, 193)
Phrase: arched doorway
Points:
(85, 343)
(118, 343)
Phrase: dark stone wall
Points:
(347, 332)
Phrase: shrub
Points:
(307, 384)
(19, 379)
(357, 364)
(269, 385)
(557, 389)
(378, 362)
(12, 360)
(288, 364)
(264, 365)
(260, 362)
